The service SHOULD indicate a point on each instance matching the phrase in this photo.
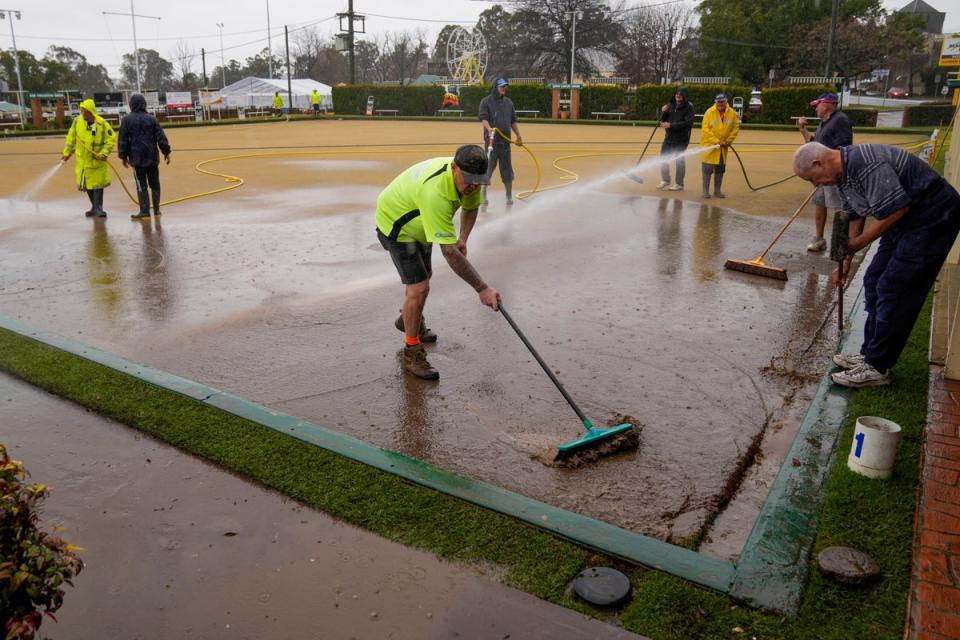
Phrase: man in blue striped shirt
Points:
(917, 217)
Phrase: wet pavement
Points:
(176, 548)
(279, 292)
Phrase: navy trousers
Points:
(898, 280)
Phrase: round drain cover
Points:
(602, 586)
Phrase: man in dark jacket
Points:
(497, 114)
(676, 119)
(140, 135)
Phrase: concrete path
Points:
(176, 548)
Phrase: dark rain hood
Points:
(680, 118)
(138, 103)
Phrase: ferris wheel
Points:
(467, 56)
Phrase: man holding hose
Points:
(719, 128)
(496, 112)
(415, 211)
(91, 138)
(917, 218)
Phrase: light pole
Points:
(136, 49)
(16, 58)
(269, 46)
(223, 73)
(573, 41)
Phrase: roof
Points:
(252, 86)
(933, 17)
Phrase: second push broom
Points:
(757, 266)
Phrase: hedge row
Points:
(425, 101)
(650, 98)
(861, 116)
(927, 114)
(780, 104)
(411, 101)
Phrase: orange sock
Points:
(411, 342)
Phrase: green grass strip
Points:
(872, 515)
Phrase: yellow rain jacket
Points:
(88, 141)
(717, 128)
(278, 102)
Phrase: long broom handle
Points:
(784, 229)
(546, 369)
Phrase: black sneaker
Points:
(426, 335)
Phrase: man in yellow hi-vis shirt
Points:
(720, 127)
(415, 211)
(315, 101)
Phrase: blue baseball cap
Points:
(721, 97)
(826, 97)
(501, 83)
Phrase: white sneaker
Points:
(662, 185)
(817, 244)
(675, 187)
(862, 376)
(848, 360)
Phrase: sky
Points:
(103, 39)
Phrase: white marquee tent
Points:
(258, 92)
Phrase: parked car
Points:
(897, 92)
(755, 103)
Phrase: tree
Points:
(258, 66)
(500, 29)
(656, 40)
(547, 26)
(183, 58)
(403, 55)
(79, 73)
(155, 72)
(745, 39)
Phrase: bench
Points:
(181, 116)
(393, 112)
(597, 114)
(443, 112)
(533, 113)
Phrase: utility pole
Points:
(16, 59)
(573, 42)
(203, 58)
(270, 46)
(828, 73)
(223, 71)
(286, 37)
(351, 30)
(136, 49)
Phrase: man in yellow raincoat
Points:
(277, 104)
(720, 127)
(92, 139)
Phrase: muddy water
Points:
(279, 292)
(175, 548)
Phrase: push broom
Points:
(757, 266)
(620, 437)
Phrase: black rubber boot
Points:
(509, 188)
(706, 185)
(156, 202)
(93, 204)
(98, 211)
(717, 181)
(484, 190)
(144, 199)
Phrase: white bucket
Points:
(874, 447)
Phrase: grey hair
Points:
(807, 154)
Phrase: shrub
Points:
(524, 96)
(649, 98)
(411, 101)
(920, 115)
(602, 98)
(782, 103)
(861, 116)
(33, 564)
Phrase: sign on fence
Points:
(179, 100)
(950, 52)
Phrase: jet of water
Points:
(32, 188)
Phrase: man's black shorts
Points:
(411, 259)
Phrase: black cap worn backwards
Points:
(472, 162)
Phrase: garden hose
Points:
(536, 164)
